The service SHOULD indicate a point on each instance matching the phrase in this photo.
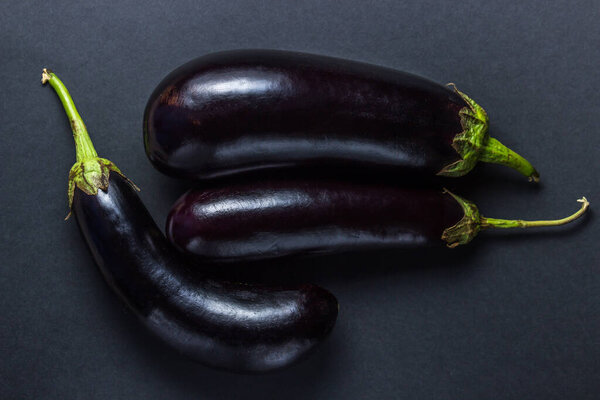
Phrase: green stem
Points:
(90, 172)
(474, 144)
(472, 222)
(507, 223)
(84, 148)
(495, 152)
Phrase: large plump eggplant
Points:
(231, 326)
(268, 219)
(254, 109)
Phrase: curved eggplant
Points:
(277, 218)
(245, 110)
(231, 326)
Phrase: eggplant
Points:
(232, 326)
(269, 219)
(245, 110)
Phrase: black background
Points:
(514, 315)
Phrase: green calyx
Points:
(90, 172)
(472, 222)
(474, 144)
(90, 175)
(467, 228)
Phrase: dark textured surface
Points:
(514, 315)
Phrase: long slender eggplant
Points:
(277, 218)
(226, 325)
(254, 109)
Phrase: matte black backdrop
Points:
(512, 316)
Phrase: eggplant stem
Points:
(84, 149)
(90, 172)
(474, 144)
(472, 222)
(507, 223)
(495, 152)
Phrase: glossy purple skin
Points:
(244, 110)
(231, 326)
(277, 218)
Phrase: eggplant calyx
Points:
(90, 175)
(90, 172)
(474, 144)
(467, 228)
